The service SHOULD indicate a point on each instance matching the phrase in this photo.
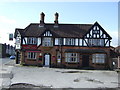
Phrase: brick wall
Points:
(53, 52)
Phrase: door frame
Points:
(49, 59)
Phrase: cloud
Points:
(4, 37)
(6, 26)
(6, 20)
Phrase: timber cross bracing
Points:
(97, 36)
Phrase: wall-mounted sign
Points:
(11, 36)
(29, 46)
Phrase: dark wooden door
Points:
(18, 58)
(85, 60)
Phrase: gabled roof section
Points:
(33, 30)
(49, 33)
(98, 25)
(20, 31)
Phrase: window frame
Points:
(74, 56)
(32, 40)
(96, 42)
(98, 58)
(31, 55)
(48, 42)
(58, 41)
(70, 41)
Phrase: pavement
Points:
(6, 74)
(17, 76)
(65, 78)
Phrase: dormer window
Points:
(47, 38)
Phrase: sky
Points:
(21, 14)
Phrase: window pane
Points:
(71, 57)
(47, 41)
(31, 55)
(98, 58)
(32, 40)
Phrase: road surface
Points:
(4, 60)
(6, 66)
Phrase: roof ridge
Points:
(60, 24)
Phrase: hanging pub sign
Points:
(11, 37)
(18, 43)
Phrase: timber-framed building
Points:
(63, 45)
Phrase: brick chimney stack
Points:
(56, 19)
(42, 15)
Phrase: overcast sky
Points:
(21, 14)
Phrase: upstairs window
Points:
(96, 42)
(69, 41)
(32, 40)
(58, 41)
(47, 41)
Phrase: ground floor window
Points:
(31, 55)
(98, 58)
(71, 57)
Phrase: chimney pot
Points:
(56, 19)
(42, 15)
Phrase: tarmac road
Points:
(4, 60)
(6, 65)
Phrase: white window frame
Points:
(31, 55)
(71, 57)
(58, 41)
(38, 41)
(98, 58)
(96, 42)
(69, 41)
(80, 42)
